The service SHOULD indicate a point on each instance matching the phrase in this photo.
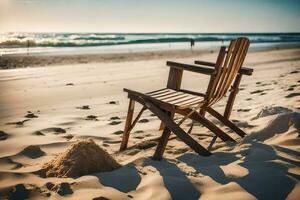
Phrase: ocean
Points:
(72, 43)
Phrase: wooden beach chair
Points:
(225, 76)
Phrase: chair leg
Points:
(163, 125)
(127, 125)
(202, 113)
(208, 124)
(226, 122)
(162, 142)
(170, 124)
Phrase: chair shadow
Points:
(266, 179)
(124, 179)
(176, 182)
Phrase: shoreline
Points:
(13, 61)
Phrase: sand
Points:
(46, 110)
(82, 158)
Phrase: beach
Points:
(54, 101)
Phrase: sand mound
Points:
(279, 125)
(84, 157)
(32, 151)
(269, 110)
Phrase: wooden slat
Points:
(163, 93)
(244, 70)
(200, 62)
(228, 71)
(192, 68)
(175, 77)
(192, 92)
(157, 91)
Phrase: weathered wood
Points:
(136, 119)
(174, 82)
(172, 126)
(164, 103)
(244, 70)
(127, 125)
(231, 98)
(192, 92)
(210, 64)
(192, 68)
(163, 141)
(226, 122)
(208, 124)
(212, 82)
(175, 77)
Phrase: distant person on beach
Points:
(27, 47)
(192, 43)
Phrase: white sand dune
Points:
(42, 114)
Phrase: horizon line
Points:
(259, 32)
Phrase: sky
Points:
(150, 16)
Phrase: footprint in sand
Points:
(115, 118)
(91, 118)
(294, 72)
(3, 135)
(295, 94)
(38, 133)
(85, 107)
(30, 115)
(19, 123)
(55, 130)
(118, 132)
(243, 110)
(112, 141)
(33, 152)
(114, 102)
(258, 91)
(143, 120)
(290, 89)
(139, 137)
(115, 122)
(139, 131)
(248, 99)
(264, 84)
(101, 198)
(70, 84)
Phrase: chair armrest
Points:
(192, 68)
(200, 62)
(243, 70)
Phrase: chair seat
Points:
(176, 99)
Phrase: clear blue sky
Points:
(150, 15)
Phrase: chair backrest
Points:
(228, 64)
